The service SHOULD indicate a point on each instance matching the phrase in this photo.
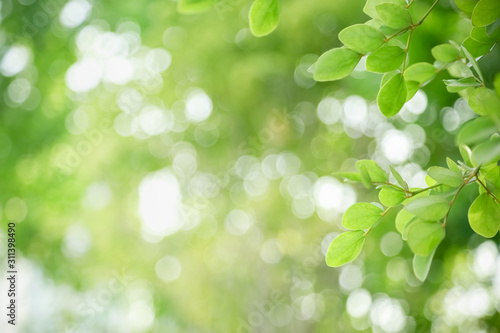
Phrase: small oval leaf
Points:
(392, 96)
(429, 208)
(345, 248)
(361, 216)
(264, 16)
(424, 237)
(361, 38)
(335, 64)
(484, 216)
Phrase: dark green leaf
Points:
(264, 16)
(361, 38)
(345, 248)
(361, 216)
(476, 48)
(467, 6)
(335, 64)
(392, 96)
(484, 216)
(424, 237)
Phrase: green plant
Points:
(385, 41)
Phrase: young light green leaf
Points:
(466, 154)
(485, 12)
(399, 179)
(445, 53)
(370, 5)
(387, 76)
(402, 219)
(345, 248)
(393, 15)
(385, 59)
(391, 197)
(194, 6)
(411, 89)
(454, 86)
(460, 70)
(453, 166)
(484, 216)
(420, 72)
(473, 62)
(392, 96)
(429, 208)
(487, 152)
(424, 237)
(445, 176)
(361, 38)
(476, 130)
(264, 16)
(467, 6)
(353, 176)
(422, 265)
(371, 171)
(484, 101)
(361, 216)
(335, 64)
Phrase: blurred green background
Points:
(173, 173)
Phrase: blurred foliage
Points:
(192, 162)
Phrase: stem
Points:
(400, 32)
(389, 184)
(426, 14)
(406, 51)
(426, 189)
(373, 226)
(466, 181)
(410, 3)
(487, 190)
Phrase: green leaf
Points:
(484, 216)
(445, 53)
(391, 197)
(345, 248)
(392, 96)
(411, 89)
(467, 6)
(371, 172)
(361, 216)
(473, 62)
(370, 6)
(476, 130)
(387, 76)
(476, 48)
(487, 152)
(485, 12)
(399, 179)
(422, 265)
(492, 180)
(429, 208)
(393, 15)
(481, 35)
(445, 176)
(453, 166)
(353, 176)
(361, 38)
(460, 70)
(385, 59)
(424, 237)
(264, 16)
(484, 101)
(335, 64)
(496, 84)
(194, 6)
(402, 219)
(420, 72)
(461, 84)
(466, 154)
